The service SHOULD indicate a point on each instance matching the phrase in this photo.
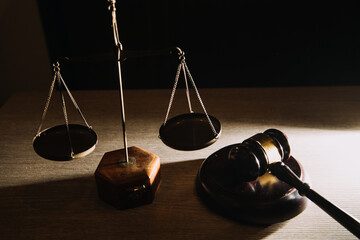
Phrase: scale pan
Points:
(53, 143)
(190, 131)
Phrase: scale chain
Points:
(186, 84)
(182, 65)
(201, 102)
(47, 105)
(65, 112)
(72, 99)
(173, 92)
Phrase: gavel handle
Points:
(284, 173)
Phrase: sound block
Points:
(265, 201)
(128, 185)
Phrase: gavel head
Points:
(251, 158)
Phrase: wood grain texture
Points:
(128, 184)
(41, 199)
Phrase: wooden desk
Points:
(41, 199)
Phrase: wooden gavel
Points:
(266, 152)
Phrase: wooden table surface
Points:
(42, 199)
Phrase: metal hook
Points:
(56, 66)
(180, 53)
(118, 44)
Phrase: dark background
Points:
(227, 43)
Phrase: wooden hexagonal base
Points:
(131, 185)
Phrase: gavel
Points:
(265, 152)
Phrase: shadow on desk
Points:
(70, 209)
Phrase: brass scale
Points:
(236, 181)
